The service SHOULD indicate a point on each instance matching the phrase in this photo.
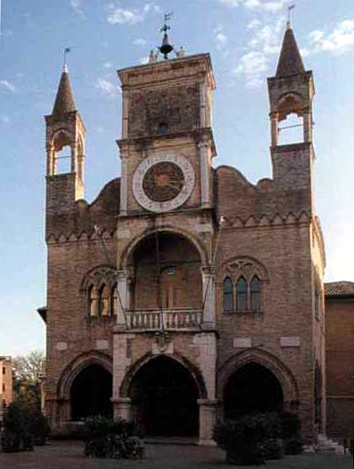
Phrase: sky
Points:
(243, 38)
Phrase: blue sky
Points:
(243, 37)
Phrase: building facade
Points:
(184, 292)
(6, 384)
(340, 358)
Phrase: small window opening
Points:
(228, 297)
(63, 161)
(163, 128)
(255, 294)
(103, 300)
(114, 300)
(92, 300)
(241, 294)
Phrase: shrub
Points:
(39, 427)
(272, 449)
(242, 439)
(16, 434)
(108, 438)
(293, 445)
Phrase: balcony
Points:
(177, 319)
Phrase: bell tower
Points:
(65, 130)
(167, 142)
(291, 91)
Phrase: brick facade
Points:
(6, 385)
(166, 295)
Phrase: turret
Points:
(64, 129)
(291, 91)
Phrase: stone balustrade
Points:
(178, 319)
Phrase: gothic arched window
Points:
(93, 300)
(241, 294)
(228, 295)
(114, 300)
(255, 294)
(103, 301)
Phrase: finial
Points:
(288, 23)
(166, 47)
(65, 66)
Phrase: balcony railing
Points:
(178, 319)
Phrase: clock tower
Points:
(167, 142)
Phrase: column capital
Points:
(205, 142)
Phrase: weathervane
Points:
(290, 7)
(166, 47)
(66, 51)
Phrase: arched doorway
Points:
(164, 266)
(164, 397)
(252, 388)
(91, 392)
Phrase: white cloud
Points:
(271, 6)
(76, 5)
(220, 38)
(261, 48)
(7, 85)
(144, 60)
(139, 42)
(339, 41)
(108, 65)
(108, 88)
(5, 119)
(133, 16)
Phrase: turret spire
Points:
(64, 101)
(166, 47)
(290, 61)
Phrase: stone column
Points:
(207, 419)
(307, 124)
(204, 152)
(124, 186)
(208, 279)
(51, 161)
(125, 108)
(203, 104)
(122, 286)
(274, 129)
(122, 407)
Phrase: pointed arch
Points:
(228, 295)
(241, 294)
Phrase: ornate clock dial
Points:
(163, 182)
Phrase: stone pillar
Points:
(204, 151)
(122, 407)
(122, 286)
(274, 129)
(207, 419)
(208, 298)
(125, 107)
(124, 186)
(203, 105)
(307, 125)
(51, 161)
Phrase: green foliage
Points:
(272, 449)
(293, 445)
(16, 434)
(23, 427)
(116, 439)
(28, 371)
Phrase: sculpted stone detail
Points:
(163, 182)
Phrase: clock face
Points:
(163, 182)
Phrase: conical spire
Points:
(290, 61)
(64, 101)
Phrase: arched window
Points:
(103, 300)
(228, 295)
(255, 296)
(241, 294)
(114, 300)
(93, 300)
(163, 128)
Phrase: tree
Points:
(28, 371)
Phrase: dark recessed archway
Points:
(252, 388)
(164, 397)
(91, 392)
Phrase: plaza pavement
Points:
(68, 455)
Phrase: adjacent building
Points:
(6, 383)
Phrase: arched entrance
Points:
(164, 397)
(91, 392)
(252, 388)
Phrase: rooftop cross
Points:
(166, 47)
(288, 24)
